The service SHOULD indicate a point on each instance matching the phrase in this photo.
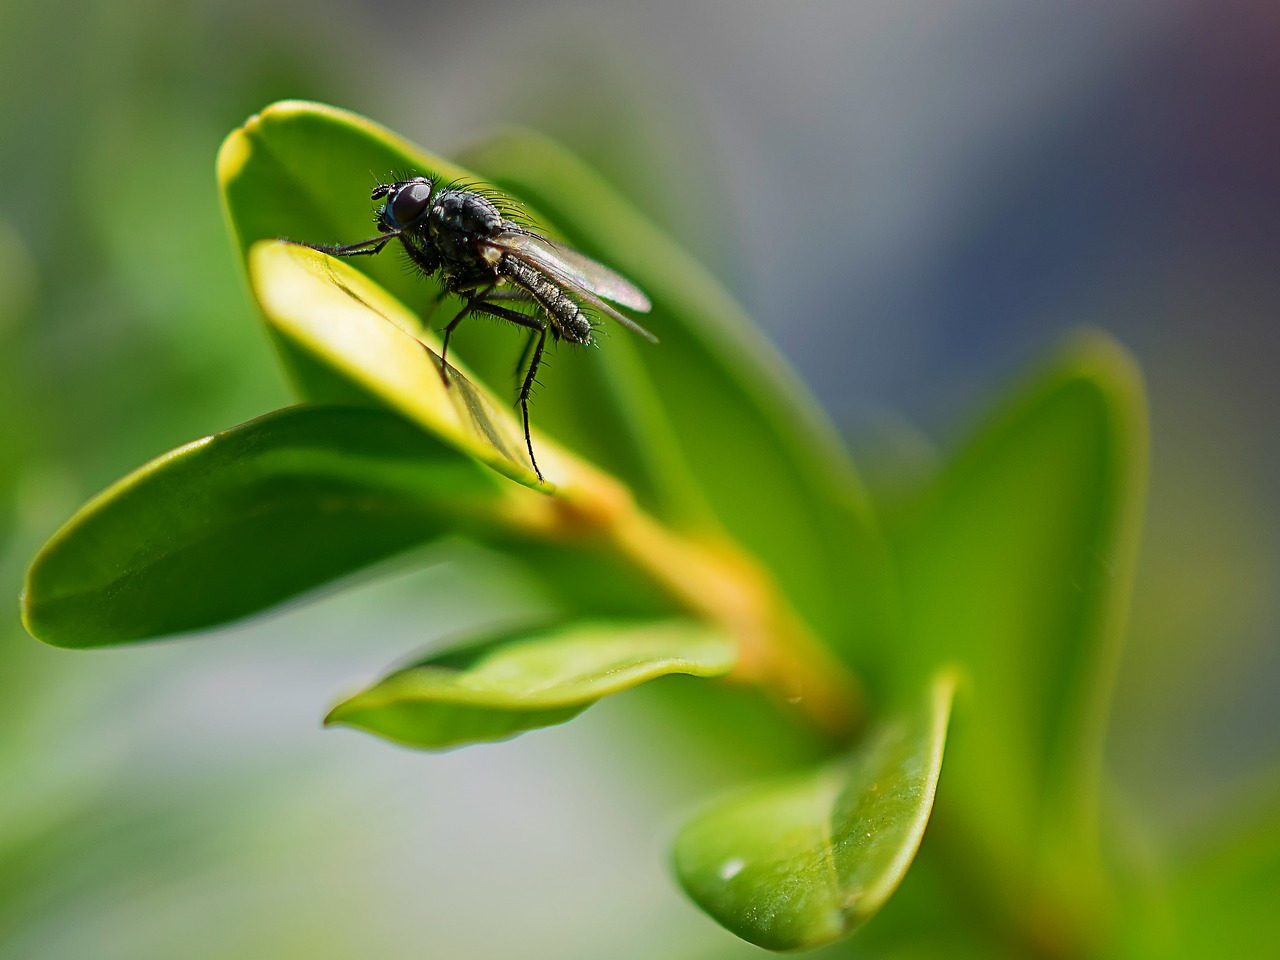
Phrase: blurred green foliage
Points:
(1015, 563)
(806, 860)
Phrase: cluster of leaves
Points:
(699, 517)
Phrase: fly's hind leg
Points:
(526, 387)
(524, 355)
(475, 303)
(538, 340)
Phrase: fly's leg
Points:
(525, 388)
(473, 303)
(517, 296)
(363, 248)
(448, 332)
(538, 338)
(524, 354)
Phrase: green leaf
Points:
(1224, 902)
(244, 519)
(303, 171)
(354, 327)
(716, 398)
(682, 422)
(803, 861)
(517, 683)
(1018, 563)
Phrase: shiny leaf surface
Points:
(681, 422)
(524, 681)
(1018, 564)
(239, 521)
(803, 861)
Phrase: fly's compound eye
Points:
(409, 202)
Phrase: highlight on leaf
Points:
(352, 325)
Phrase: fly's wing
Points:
(584, 278)
(585, 273)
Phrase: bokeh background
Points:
(915, 198)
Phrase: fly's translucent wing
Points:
(549, 260)
(586, 273)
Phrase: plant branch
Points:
(716, 580)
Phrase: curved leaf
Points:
(1018, 564)
(241, 520)
(731, 408)
(505, 687)
(303, 171)
(351, 325)
(804, 861)
(683, 422)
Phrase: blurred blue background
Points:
(915, 198)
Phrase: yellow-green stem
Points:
(715, 580)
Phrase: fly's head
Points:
(406, 205)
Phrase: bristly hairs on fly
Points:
(510, 208)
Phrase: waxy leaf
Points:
(682, 422)
(1018, 564)
(352, 325)
(727, 405)
(239, 521)
(524, 681)
(805, 860)
(303, 171)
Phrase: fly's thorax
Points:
(459, 218)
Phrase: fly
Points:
(495, 265)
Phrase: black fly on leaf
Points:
(491, 262)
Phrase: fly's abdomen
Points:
(565, 313)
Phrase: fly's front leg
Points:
(363, 248)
